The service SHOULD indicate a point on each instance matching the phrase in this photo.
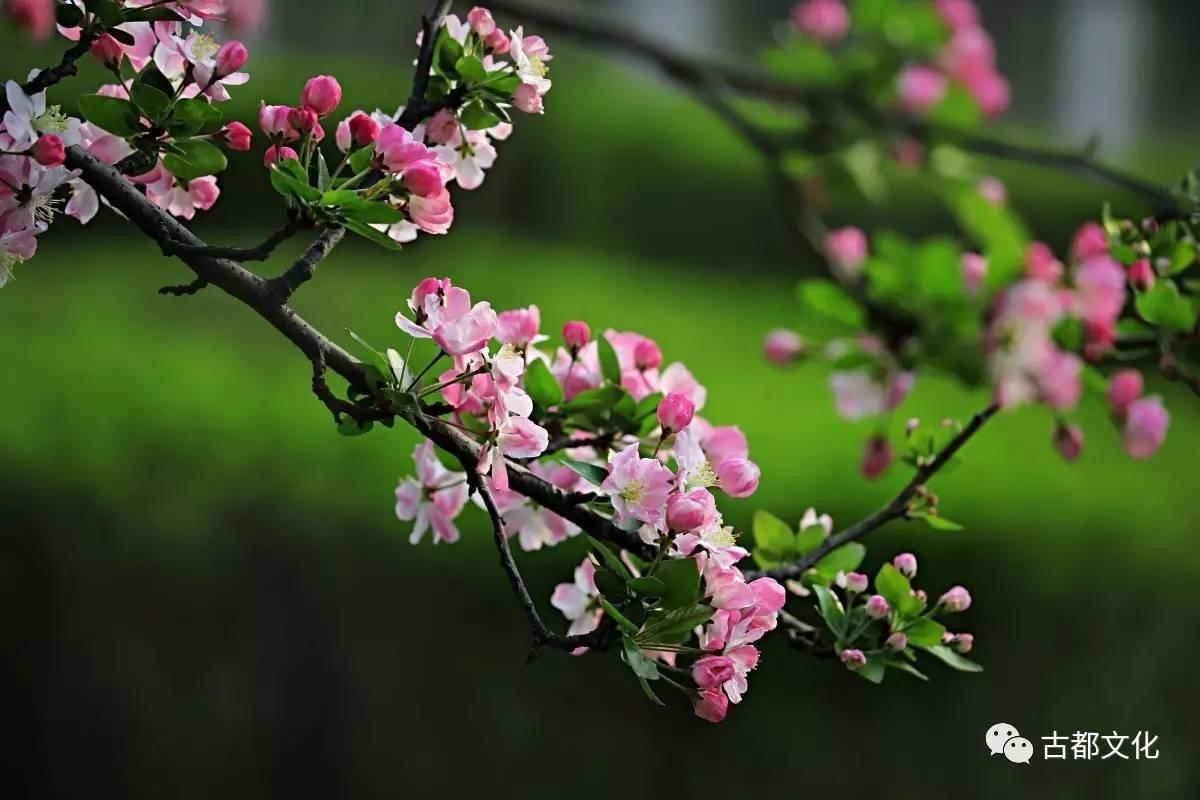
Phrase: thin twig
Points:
(64, 69)
(299, 273)
(259, 252)
(184, 289)
(414, 109)
(896, 509)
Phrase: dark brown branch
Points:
(696, 73)
(259, 252)
(63, 70)
(897, 509)
(415, 109)
(285, 285)
(184, 289)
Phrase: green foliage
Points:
(831, 301)
(541, 384)
(195, 158)
(115, 115)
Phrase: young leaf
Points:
(831, 301)
(610, 366)
(831, 610)
(617, 616)
(153, 101)
(953, 659)
(774, 541)
(476, 117)
(200, 158)
(681, 582)
(591, 472)
(846, 558)
(648, 586)
(541, 384)
(367, 232)
(113, 114)
(470, 68)
(610, 559)
(289, 179)
(810, 539)
(1164, 305)
(873, 670)
(648, 405)
(939, 523)
(925, 632)
(662, 628)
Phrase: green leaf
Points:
(610, 366)
(1163, 305)
(904, 666)
(369, 212)
(541, 385)
(891, 583)
(831, 610)
(650, 695)
(323, 176)
(591, 472)
(846, 558)
(1182, 256)
(470, 69)
(610, 585)
(347, 426)
(803, 61)
(648, 585)
(448, 52)
(371, 355)
(192, 116)
(681, 582)
(200, 158)
(810, 539)
(112, 114)
(367, 232)
(110, 12)
(641, 665)
(940, 523)
(831, 301)
(617, 616)
(153, 101)
(873, 670)
(610, 559)
(1003, 238)
(924, 632)
(953, 659)
(361, 159)
(68, 15)
(663, 627)
(289, 179)
(774, 540)
(476, 117)
(958, 109)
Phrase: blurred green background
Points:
(204, 591)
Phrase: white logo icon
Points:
(999, 734)
(1018, 750)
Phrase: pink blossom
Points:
(530, 55)
(638, 487)
(200, 194)
(691, 511)
(497, 42)
(49, 151)
(877, 458)
(1146, 427)
(519, 327)
(675, 412)
(738, 477)
(245, 14)
(363, 129)
(577, 370)
(1042, 265)
(433, 214)
(527, 98)
(433, 499)
(1090, 241)
(1068, 440)
(322, 94)
(725, 442)
(277, 153)
(824, 20)
(958, 14)
(991, 91)
(853, 659)
(576, 601)
(906, 563)
(855, 582)
(231, 57)
(443, 312)
(424, 179)
(955, 600)
(1141, 275)
(273, 120)
(920, 88)
(397, 150)
(975, 268)
(847, 249)
(896, 641)
(969, 55)
(861, 393)
(107, 50)
(37, 16)
(1060, 379)
(647, 355)
(1100, 282)
(710, 672)
(481, 21)
(993, 190)
(516, 437)
(711, 705)
(783, 346)
(237, 136)
(576, 334)
(877, 607)
(963, 642)
(676, 379)
(468, 156)
(1125, 387)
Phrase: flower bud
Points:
(277, 153)
(738, 477)
(687, 512)
(497, 41)
(877, 607)
(847, 249)
(49, 151)
(955, 600)
(853, 659)
(906, 565)
(675, 412)
(231, 57)
(107, 50)
(711, 705)
(1090, 241)
(481, 21)
(921, 88)
(1042, 265)
(1125, 387)
(1068, 440)
(712, 671)
(877, 458)
(647, 355)
(273, 120)
(897, 641)
(423, 179)
(1141, 275)
(303, 120)
(576, 334)
(920, 595)
(363, 129)
(783, 346)
(855, 582)
(963, 642)
(975, 268)
(526, 98)
(237, 136)
(322, 94)
(823, 20)
(993, 190)
(1146, 427)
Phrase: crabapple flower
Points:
(468, 156)
(237, 136)
(49, 151)
(424, 179)
(359, 130)
(963, 642)
(107, 50)
(823, 20)
(273, 121)
(676, 379)
(975, 268)
(481, 21)
(576, 334)
(1090, 241)
(529, 55)
(855, 582)
(519, 327)
(638, 487)
(897, 641)
(516, 437)
(17, 245)
(861, 393)
(577, 603)
(444, 313)
(1141, 275)
(199, 194)
(433, 499)
(1146, 427)
(675, 413)
(1125, 387)
(397, 149)
(433, 214)
(711, 672)
(232, 56)
(847, 249)
(955, 600)
(692, 511)
(738, 477)
(920, 88)
(906, 565)
(37, 16)
(783, 346)
(1042, 265)
(724, 442)
(711, 705)
(958, 14)
(322, 94)
(877, 607)
(853, 659)
(277, 153)
(527, 98)
(28, 118)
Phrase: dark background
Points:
(204, 591)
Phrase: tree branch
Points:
(414, 109)
(63, 70)
(896, 509)
(285, 285)
(259, 252)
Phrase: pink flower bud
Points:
(975, 269)
(958, 14)
(1146, 427)
(853, 659)
(481, 21)
(526, 98)
(963, 642)
(921, 88)
(37, 16)
(955, 600)
(363, 129)
(847, 249)
(726, 441)
(783, 346)
(711, 705)
(647, 355)
(273, 120)
(107, 50)
(877, 458)
(497, 41)
(738, 477)
(823, 20)
(303, 120)
(576, 334)
(231, 57)
(906, 564)
(1141, 275)
(518, 327)
(1042, 265)
(991, 91)
(237, 136)
(424, 179)
(920, 595)
(877, 607)
(993, 190)
(276, 153)
(688, 512)
(897, 641)
(1125, 387)
(855, 582)
(1068, 440)
(1090, 241)
(49, 151)
(675, 412)
(322, 94)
